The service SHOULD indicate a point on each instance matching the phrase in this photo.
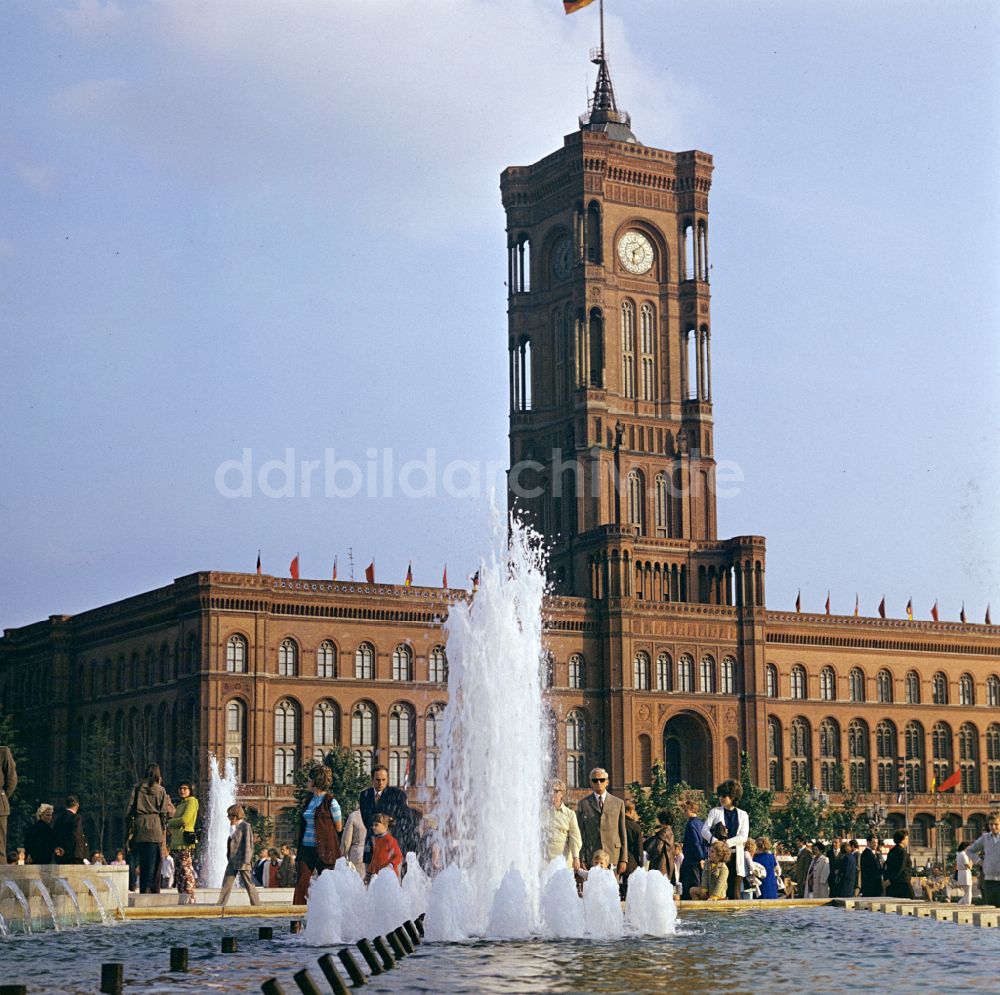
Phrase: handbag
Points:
(190, 839)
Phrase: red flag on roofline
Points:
(572, 6)
(961, 614)
(444, 579)
(952, 781)
(409, 575)
(798, 601)
(857, 604)
(293, 567)
(934, 611)
(370, 572)
(909, 609)
(258, 562)
(828, 602)
(881, 607)
(334, 577)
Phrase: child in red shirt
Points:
(385, 849)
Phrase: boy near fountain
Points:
(715, 876)
(385, 849)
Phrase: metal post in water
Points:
(353, 968)
(404, 938)
(229, 944)
(332, 975)
(112, 978)
(412, 932)
(369, 955)
(385, 953)
(305, 982)
(272, 987)
(419, 923)
(13, 990)
(265, 932)
(397, 945)
(295, 926)
(178, 958)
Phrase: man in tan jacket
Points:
(8, 782)
(602, 823)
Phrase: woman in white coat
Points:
(963, 863)
(818, 878)
(737, 824)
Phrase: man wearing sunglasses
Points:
(602, 823)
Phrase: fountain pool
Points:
(824, 949)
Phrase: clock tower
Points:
(609, 333)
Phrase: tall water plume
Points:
(495, 755)
(221, 794)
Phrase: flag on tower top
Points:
(258, 562)
(909, 609)
(798, 601)
(370, 572)
(881, 607)
(293, 567)
(572, 6)
(934, 611)
(409, 575)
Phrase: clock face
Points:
(635, 252)
(562, 258)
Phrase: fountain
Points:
(89, 885)
(23, 902)
(221, 794)
(71, 894)
(39, 886)
(3, 927)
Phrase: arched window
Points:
(966, 690)
(800, 751)
(728, 675)
(288, 659)
(857, 752)
(437, 666)
(941, 751)
(628, 348)
(885, 751)
(236, 736)
(829, 756)
(939, 687)
(828, 684)
(664, 673)
(774, 755)
(647, 342)
(326, 660)
(913, 735)
(576, 750)
(800, 688)
(685, 674)
(635, 492)
(912, 688)
(640, 671)
(968, 756)
(433, 731)
(236, 655)
(402, 663)
(286, 741)
(771, 681)
(856, 684)
(993, 759)
(883, 687)
(577, 672)
(325, 736)
(706, 674)
(661, 495)
(364, 662)
(993, 691)
(401, 728)
(363, 734)
(592, 238)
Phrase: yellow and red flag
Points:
(909, 609)
(572, 6)
(409, 576)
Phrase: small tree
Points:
(801, 818)
(102, 786)
(349, 780)
(756, 801)
(661, 795)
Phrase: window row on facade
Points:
(826, 688)
(328, 661)
(95, 678)
(872, 762)
(293, 746)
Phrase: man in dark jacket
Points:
(633, 840)
(899, 867)
(8, 782)
(381, 798)
(872, 867)
(849, 869)
(695, 850)
(68, 839)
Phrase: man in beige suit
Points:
(602, 823)
(239, 849)
(8, 782)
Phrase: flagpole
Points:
(602, 30)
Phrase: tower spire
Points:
(603, 113)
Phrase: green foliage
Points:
(847, 820)
(101, 782)
(263, 831)
(349, 780)
(661, 795)
(801, 817)
(22, 802)
(756, 801)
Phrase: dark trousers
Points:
(734, 885)
(3, 839)
(148, 855)
(991, 891)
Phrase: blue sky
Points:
(275, 226)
